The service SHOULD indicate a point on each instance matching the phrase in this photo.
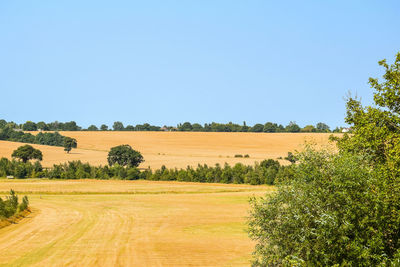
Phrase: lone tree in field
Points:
(69, 143)
(124, 155)
(27, 152)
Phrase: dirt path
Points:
(131, 230)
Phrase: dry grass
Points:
(89, 186)
(186, 229)
(54, 155)
(141, 223)
(177, 149)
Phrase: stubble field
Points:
(141, 223)
(177, 149)
(129, 223)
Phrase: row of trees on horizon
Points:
(268, 127)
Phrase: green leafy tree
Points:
(322, 127)
(41, 125)
(257, 128)
(244, 127)
(92, 128)
(340, 209)
(71, 126)
(280, 128)
(187, 126)
(69, 143)
(3, 124)
(330, 213)
(292, 127)
(29, 126)
(376, 129)
(104, 127)
(118, 126)
(124, 155)
(197, 127)
(270, 127)
(27, 152)
(308, 129)
(129, 128)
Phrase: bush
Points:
(10, 206)
(24, 205)
(335, 209)
(238, 156)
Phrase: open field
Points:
(177, 149)
(54, 155)
(129, 223)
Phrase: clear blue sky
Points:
(166, 62)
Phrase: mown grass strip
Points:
(129, 193)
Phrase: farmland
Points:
(141, 223)
(125, 223)
(176, 149)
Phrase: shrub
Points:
(9, 206)
(335, 209)
(24, 204)
(238, 156)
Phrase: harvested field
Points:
(178, 227)
(91, 186)
(177, 149)
(54, 155)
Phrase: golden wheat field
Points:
(141, 223)
(177, 149)
(129, 223)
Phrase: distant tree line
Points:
(10, 205)
(265, 172)
(268, 127)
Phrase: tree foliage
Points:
(293, 127)
(29, 126)
(10, 206)
(332, 211)
(92, 128)
(27, 152)
(118, 126)
(376, 129)
(51, 139)
(266, 172)
(69, 143)
(322, 127)
(340, 209)
(124, 155)
(268, 127)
